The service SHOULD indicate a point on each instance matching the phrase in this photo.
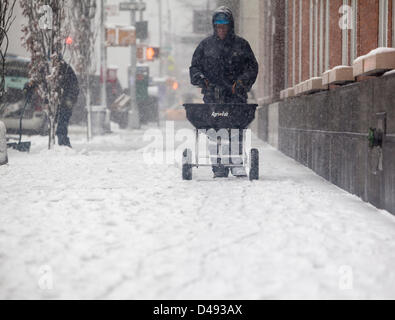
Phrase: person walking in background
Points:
(70, 91)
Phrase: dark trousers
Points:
(64, 115)
(220, 95)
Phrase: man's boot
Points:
(220, 171)
(64, 141)
(239, 172)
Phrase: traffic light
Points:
(152, 53)
(69, 40)
(172, 84)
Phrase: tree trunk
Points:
(51, 135)
(89, 108)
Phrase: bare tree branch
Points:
(6, 20)
(46, 48)
(83, 14)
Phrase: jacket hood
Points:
(229, 15)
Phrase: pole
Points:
(160, 38)
(141, 13)
(168, 40)
(169, 27)
(103, 56)
(134, 115)
(54, 112)
(103, 67)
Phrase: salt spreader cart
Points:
(221, 116)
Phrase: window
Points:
(393, 23)
(383, 24)
(321, 37)
(316, 38)
(345, 40)
(311, 39)
(294, 42)
(286, 49)
(301, 38)
(327, 33)
(354, 30)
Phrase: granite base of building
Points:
(328, 132)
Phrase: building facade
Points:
(249, 29)
(318, 35)
(342, 129)
(272, 49)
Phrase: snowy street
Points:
(97, 222)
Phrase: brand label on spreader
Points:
(220, 114)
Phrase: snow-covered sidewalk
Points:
(98, 222)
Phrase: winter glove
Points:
(238, 87)
(68, 103)
(203, 82)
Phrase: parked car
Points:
(34, 119)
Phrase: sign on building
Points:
(142, 30)
(132, 6)
(118, 36)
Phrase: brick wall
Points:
(367, 33)
(261, 77)
(305, 39)
(390, 24)
(278, 48)
(368, 26)
(272, 49)
(290, 42)
(335, 34)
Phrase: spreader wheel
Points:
(187, 165)
(254, 165)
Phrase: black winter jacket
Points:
(69, 85)
(222, 63)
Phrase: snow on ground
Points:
(97, 222)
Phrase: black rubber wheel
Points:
(254, 164)
(187, 165)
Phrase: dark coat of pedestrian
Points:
(70, 91)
